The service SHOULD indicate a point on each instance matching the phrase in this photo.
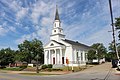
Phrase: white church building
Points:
(61, 51)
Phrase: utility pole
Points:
(113, 29)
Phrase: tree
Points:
(91, 54)
(28, 50)
(37, 49)
(117, 25)
(97, 51)
(7, 56)
(118, 48)
(24, 53)
(112, 50)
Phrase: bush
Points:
(44, 66)
(49, 66)
(57, 70)
(2, 67)
(23, 66)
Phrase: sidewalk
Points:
(116, 71)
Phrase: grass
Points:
(74, 68)
(12, 69)
(38, 74)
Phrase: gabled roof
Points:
(75, 43)
(58, 42)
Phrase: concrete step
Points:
(58, 65)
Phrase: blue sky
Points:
(87, 21)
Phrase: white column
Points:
(60, 56)
(72, 59)
(80, 57)
(49, 57)
(45, 57)
(83, 56)
(55, 56)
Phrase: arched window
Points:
(51, 44)
(55, 24)
(59, 24)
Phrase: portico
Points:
(54, 55)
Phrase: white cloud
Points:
(41, 34)
(38, 10)
(24, 37)
(21, 13)
(45, 11)
(13, 29)
(101, 36)
(86, 28)
(3, 31)
(8, 46)
(41, 9)
(26, 28)
(13, 5)
(45, 21)
(44, 34)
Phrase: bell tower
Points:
(57, 31)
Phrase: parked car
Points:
(114, 63)
(118, 64)
(100, 61)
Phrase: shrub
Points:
(44, 66)
(57, 70)
(23, 67)
(49, 65)
(1, 67)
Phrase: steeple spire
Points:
(57, 31)
(56, 14)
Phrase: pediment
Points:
(54, 44)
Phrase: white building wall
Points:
(68, 54)
(80, 50)
(45, 56)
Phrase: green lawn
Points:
(74, 68)
(38, 74)
(12, 69)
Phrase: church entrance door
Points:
(53, 60)
(62, 60)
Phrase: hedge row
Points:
(47, 66)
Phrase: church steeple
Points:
(57, 14)
(57, 31)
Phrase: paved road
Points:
(94, 73)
